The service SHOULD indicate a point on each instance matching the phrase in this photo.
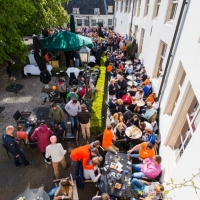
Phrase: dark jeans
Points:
(23, 159)
(62, 124)
(75, 166)
(63, 95)
(8, 71)
(74, 126)
(120, 93)
(47, 159)
(137, 186)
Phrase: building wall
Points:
(186, 58)
(122, 18)
(93, 17)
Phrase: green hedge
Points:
(97, 104)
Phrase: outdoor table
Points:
(131, 83)
(140, 103)
(131, 78)
(14, 88)
(34, 70)
(133, 132)
(107, 183)
(34, 194)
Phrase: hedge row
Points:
(97, 104)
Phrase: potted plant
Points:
(16, 70)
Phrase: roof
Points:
(87, 6)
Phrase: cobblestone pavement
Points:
(14, 180)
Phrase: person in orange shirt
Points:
(47, 57)
(108, 138)
(109, 70)
(151, 98)
(83, 154)
(147, 81)
(21, 135)
(146, 150)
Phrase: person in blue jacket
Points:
(150, 136)
(12, 146)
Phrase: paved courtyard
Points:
(14, 180)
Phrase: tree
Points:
(25, 17)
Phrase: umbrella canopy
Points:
(65, 41)
(72, 24)
(38, 48)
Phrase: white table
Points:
(34, 70)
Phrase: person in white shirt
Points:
(92, 61)
(156, 103)
(90, 173)
(57, 153)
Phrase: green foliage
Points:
(97, 104)
(25, 17)
(128, 48)
(15, 67)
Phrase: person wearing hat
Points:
(84, 119)
(42, 135)
(72, 108)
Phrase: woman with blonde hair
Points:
(114, 120)
(112, 88)
(119, 130)
(120, 107)
(90, 173)
(133, 104)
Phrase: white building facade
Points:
(168, 37)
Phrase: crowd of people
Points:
(130, 103)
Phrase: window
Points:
(135, 32)
(93, 21)
(157, 7)
(79, 22)
(134, 7)
(141, 39)
(190, 124)
(115, 22)
(110, 9)
(129, 6)
(117, 2)
(175, 93)
(96, 11)
(173, 9)
(126, 6)
(76, 11)
(109, 22)
(138, 8)
(161, 57)
(86, 23)
(146, 8)
(122, 5)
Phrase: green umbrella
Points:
(72, 24)
(65, 41)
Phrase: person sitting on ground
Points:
(147, 190)
(108, 138)
(150, 168)
(90, 173)
(21, 134)
(64, 191)
(149, 111)
(146, 150)
(127, 99)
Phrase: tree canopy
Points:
(25, 17)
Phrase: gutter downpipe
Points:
(173, 48)
(131, 20)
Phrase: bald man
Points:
(57, 153)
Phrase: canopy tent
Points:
(65, 41)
